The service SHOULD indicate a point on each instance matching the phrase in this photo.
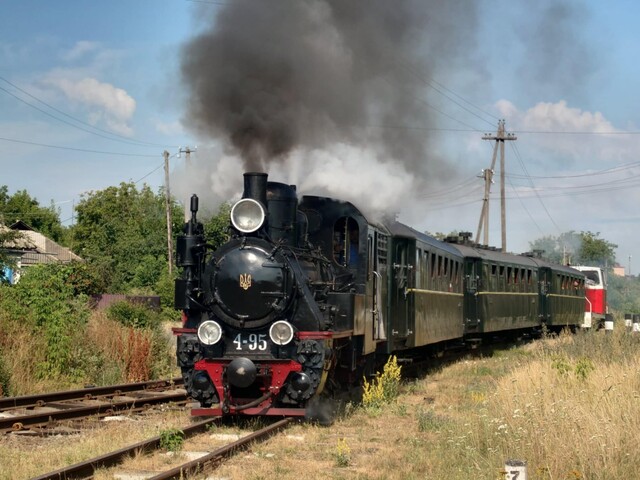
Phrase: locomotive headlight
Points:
(247, 215)
(209, 332)
(281, 332)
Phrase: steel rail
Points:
(91, 392)
(103, 408)
(214, 458)
(86, 469)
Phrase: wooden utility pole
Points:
(187, 153)
(168, 208)
(499, 138)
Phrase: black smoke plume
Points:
(268, 77)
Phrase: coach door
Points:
(545, 289)
(471, 289)
(375, 294)
(402, 279)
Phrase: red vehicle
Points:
(596, 296)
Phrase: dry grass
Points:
(25, 457)
(569, 406)
(127, 350)
(26, 353)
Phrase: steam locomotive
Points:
(307, 296)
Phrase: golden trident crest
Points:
(245, 280)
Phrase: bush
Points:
(132, 315)
(384, 388)
(49, 301)
(4, 379)
(172, 439)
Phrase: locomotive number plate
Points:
(251, 342)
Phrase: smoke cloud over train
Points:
(328, 93)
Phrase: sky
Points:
(383, 106)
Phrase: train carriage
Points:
(426, 290)
(561, 295)
(501, 292)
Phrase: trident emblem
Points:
(245, 280)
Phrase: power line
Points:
(526, 172)
(618, 168)
(77, 149)
(111, 134)
(439, 89)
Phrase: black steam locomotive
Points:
(310, 296)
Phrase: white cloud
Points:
(108, 104)
(558, 117)
(568, 136)
(79, 50)
(171, 128)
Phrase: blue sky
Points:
(566, 81)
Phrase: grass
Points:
(565, 405)
(568, 406)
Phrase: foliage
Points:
(384, 388)
(623, 294)
(123, 232)
(584, 248)
(428, 420)
(7, 237)
(4, 378)
(133, 315)
(217, 227)
(20, 206)
(596, 251)
(165, 289)
(342, 453)
(51, 300)
(172, 439)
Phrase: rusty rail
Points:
(91, 392)
(70, 411)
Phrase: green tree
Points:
(576, 248)
(596, 251)
(217, 227)
(123, 232)
(21, 206)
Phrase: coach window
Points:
(346, 242)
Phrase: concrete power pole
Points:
(499, 138)
(168, 208)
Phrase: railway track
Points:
(46, 410)
(204, 464)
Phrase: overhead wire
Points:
(109, 135)
(85, 150)
(526, 172)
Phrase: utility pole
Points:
(168, 208)
(187, 153)
(499, 138)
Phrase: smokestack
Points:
(255, 187)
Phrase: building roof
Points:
(21, 242)
(37, 248)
